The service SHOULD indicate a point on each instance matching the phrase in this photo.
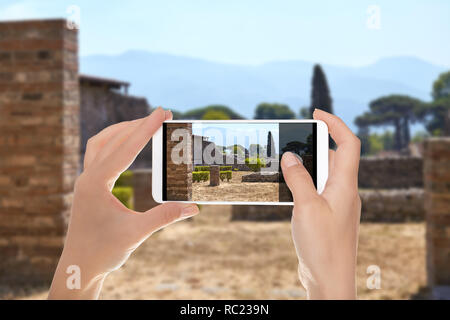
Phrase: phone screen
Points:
(233, 161)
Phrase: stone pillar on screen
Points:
(179, 174)
(214, 175)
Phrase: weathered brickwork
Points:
(39, 143)
(437, 206)
(101, 107)
(390, 172)
(179, 176)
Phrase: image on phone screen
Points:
(209, 161)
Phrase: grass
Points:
(209, 257)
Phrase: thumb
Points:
(297, 178)
(165, 214)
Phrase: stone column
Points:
(437, 206)
(39, 145)
(142, 189)
(179, 176)
(214, 175)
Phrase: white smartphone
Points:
(234, 161)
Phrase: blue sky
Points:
(253, 32)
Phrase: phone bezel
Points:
(322, 159)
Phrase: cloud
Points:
(18, 11)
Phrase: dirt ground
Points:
(210, 257)
(235, 190)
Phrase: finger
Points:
(331, 155)
(169, 115)
(297, 178)
(95, 143)
(348, 151)
(158, 217)
(124, 154)
(115, 141)
(123, 135)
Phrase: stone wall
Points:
(39, 143)
(258, 177)
(377, 206)
(437, 205)
(102, 107)
(261, 213)
(179, 176)
(399, 205)
(390, 172)
(395, 193)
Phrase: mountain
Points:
(183, 83)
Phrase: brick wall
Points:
(102, 107)
(390, 172)
(179, 176)
(39, 143)
(437, 206)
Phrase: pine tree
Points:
(320, 93)
(270, 145)
(397, 110)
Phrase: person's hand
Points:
(102, 232)
(325, 227)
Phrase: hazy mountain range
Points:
(183, 83)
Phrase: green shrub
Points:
(226, 175)
(201, 168)
(125, 179)
(198, 176)
(208, 168)
(236, 169)
(255, 164)
(125, 195)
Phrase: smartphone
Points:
(234, 161)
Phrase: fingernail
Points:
(289, 160)
(168, 114)
(189, 211)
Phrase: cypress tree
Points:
(320, 93)
(269, 144)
